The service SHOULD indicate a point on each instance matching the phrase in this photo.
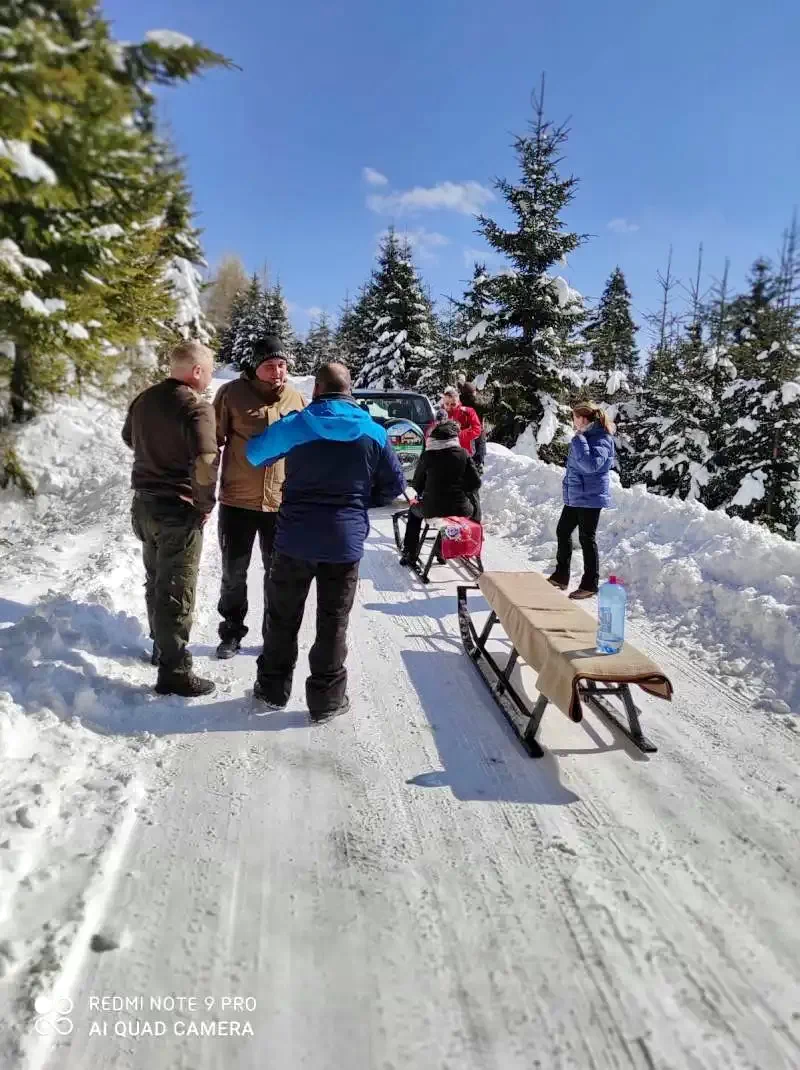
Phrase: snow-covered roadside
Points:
(724, 591)
(74, 761)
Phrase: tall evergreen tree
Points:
(320, 344)
(84, 192)
(475, 325)
(758, 477)
(354, 331)
(278, 317)
(252, 324)
(610, 336)
(532, 350)
(402, 330)
(82, 183)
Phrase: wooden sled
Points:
(557, 639)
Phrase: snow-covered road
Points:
(400, 888)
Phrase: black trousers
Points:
(288, 587)
(414, 527)
(585, 520)
(237, 533)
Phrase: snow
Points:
(168, 39)
(366, 883)
(616, 381)
(751, 489)
(478, 331)
(75, 330)
(565, 295)
(185, 281)
(107, 231)
(45, 307)
(790, 392)
(549, 424)
(747, 423)
(25, 162)
(12, 258)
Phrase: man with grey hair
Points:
(171, 429)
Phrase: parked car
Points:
(405, 415)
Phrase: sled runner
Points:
(556, 638)
(451, 538)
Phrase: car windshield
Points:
(383, 408)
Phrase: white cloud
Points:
(480, 256)
(622, 226)
(374, 178)
(422, 241)
(302, 315)
(465, 197)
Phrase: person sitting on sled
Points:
(446, 481)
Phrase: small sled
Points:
(556, 638)
(451, 538)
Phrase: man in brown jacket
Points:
(249, 497)
(170, 429)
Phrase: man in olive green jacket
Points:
(170, 429)
(249, 497)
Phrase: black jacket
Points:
(446, 480)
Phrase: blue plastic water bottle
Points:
(611, 602)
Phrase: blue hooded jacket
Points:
(338, 464)
(589, 462)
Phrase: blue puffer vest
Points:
(590, 460)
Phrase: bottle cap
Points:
(615, 579)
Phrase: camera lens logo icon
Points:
(52, 1016)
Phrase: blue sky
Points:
(684, 128)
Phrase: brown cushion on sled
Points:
(557, 638)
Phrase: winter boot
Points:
(185, 684)
(554, 581)
(321, 716)
(260, 694)
(229, 648)
(581, 593)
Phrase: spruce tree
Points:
(532, 352)
(475, 324)
(402, 327)
(84, 192)
(760, 458)
(320, 344)
(252, 324)
(226, 337)
(278, 317)
(354, 331)
(610, 336)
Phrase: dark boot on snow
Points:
(321, 716)
(260, 693)
(559, 584)
(229, 648)
(185, 684)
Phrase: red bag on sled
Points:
(461, 537)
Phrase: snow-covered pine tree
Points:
(252, 324)
(278, 317)
(354, 331)
(474, 325)
(320, 344)
(610, 337)
(759, 478)
(84, 193)
(445, 340)
(532, 352)
(651, 410)
(181, 242)
(402, 328)
(226, 337)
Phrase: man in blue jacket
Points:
(338, 464)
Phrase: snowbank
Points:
(725, 591)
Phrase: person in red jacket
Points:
(466, 418)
